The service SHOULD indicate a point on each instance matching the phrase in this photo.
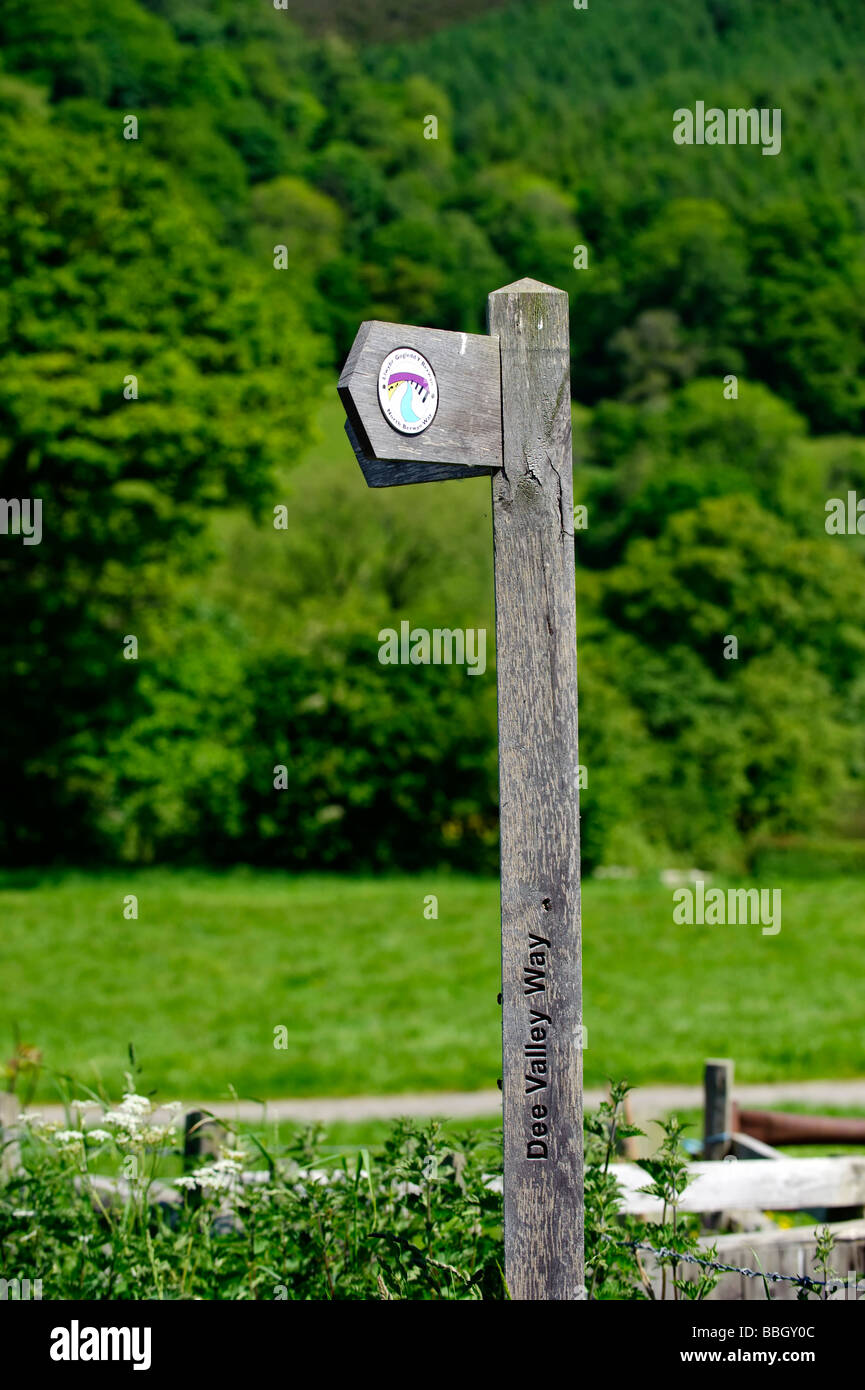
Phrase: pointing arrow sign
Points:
(454, 377)
(383, 473)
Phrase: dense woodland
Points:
(154, 258)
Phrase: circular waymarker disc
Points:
(408, 392)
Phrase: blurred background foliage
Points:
(258, 647)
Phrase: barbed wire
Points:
(803, 1280)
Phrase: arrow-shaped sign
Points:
(423, 398)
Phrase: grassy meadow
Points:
(376, 998)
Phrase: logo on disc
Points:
(408, 392)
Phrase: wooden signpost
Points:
(424, 406)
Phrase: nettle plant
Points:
(98, 1211)
(92, 1212)
(614, 1263)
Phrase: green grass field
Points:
(376, 998)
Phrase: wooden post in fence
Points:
(202, 1137)
(718, 1107)
(424, 406)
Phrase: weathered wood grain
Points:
(467, 429)
(540, 886)
(381, 473)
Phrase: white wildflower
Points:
(319, 1175)
(69, 1137)
(136, 1105)
(224, 1175)
(156, 1134)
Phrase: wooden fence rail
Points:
(787, 1184)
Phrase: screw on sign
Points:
(425, 405)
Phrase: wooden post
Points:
(536, 658)
(717, 1107)
(202, 1137)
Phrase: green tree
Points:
(105, 277)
